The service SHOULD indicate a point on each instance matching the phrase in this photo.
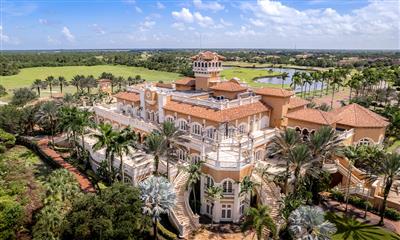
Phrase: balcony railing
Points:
(220, 105)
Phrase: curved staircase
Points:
(181, 215)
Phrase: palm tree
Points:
(38, 84)
(324, 76)
(156, 144)
(259, 220)
(124, 140)
(283, 77)
(215, 193)
(354, 83)
(77, 81)
(307, 80)
(89, 82)
(316, 77)
(351, 153)
(47, 115)
(62, 82)
(282, 144)
(173, 140)
(326, 144)
(389, 170)
(50, 81)
(194, 171)
(247, 187)
(158, 196)
(105, 139)
(296, 80)
(299, 158)
(68, 117)
(308, 222)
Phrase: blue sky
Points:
(326, 24)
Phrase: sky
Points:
(113, 24)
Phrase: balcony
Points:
(217, 104)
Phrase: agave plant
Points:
(158, 196)
(308, 222)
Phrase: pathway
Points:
(83, 181)
(222, 232)
(372, 218)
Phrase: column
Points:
(202, 195)
(236, 204)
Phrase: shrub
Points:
(337, 195)
(392, 214)
(7, 140)
(22, 96)
(11, 216)
(165, 233)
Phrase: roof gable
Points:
(314, 116)
(357, 116)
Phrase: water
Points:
(288, 80)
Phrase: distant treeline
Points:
(177, 60)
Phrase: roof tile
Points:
(277, 92)
(357, 116)
(314, 116)
(128, 96)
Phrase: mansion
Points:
(228, 125)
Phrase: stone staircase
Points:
(181, 215)
(270, 196)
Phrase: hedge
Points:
(165, 233)
(358, 202)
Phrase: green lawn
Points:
(28, 75)
(394, 146)
(259, 65)
(248, 75)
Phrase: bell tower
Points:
(207, 67)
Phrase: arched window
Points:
(181, 154)
(210, 133)
(231, 132)
(364, 142)
(195, 158)
(227, 186)
(259, 155)
(242, 128)
(182, 125)
(196, 128)
(209, 181)
(169, 118)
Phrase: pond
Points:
(288, 80)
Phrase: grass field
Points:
(28, 75)
(248, 75)
(260, 65)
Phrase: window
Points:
(209, 181)
(226, 212)
(364, 142)
(182, 125)
(210, 133)
(227, 186)
(242, 128)
(169, 118)
(230, 133)
(242, 206)
(259, 155)
(195, 158)
(209, 208)
(181, 154)
(196, 129)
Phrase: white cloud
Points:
(160, 5)
(257, 22)
(203, 21)
(179, 26)
(146, 25)
(3, 37)
(67, 34)
(210, 5)
(43, 21)
(225, 23)
(138, 9)
(184, 15)
(244, 31)
(99, 30)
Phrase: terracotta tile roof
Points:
(188, 81)
(296, 102)
(357, 116)
(128, 96)
(277, 92)
(208, 56)
(224, 115)
(229, 86)
(314, 116)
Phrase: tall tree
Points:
(247, 187)
(283, 77)
(194, 171)
(50, 81)
(299, 158)
(62, 82)
(388, 170)
(259, 220)
(215, 193)
(47, 116)
(124, 142)
(38, 84)
(156, 144)
(158, 196)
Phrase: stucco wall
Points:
(279, 109)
